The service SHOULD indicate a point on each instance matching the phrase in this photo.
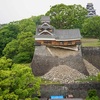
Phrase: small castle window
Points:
(41, 29)
(46, 41)
(50, 30)
(69, 42)
(61, 43)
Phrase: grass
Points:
(90, 42)
(88, 79)
(46, 82)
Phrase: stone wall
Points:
(78, 90)
(45, 58)
(92, 54)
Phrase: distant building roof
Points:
(67, 34)
(45, 18)
(45, 36)
(61, 35)
(90, 4)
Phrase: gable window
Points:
(50, 30)
(41, 29)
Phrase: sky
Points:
(13, 10)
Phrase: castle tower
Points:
(91, 10)
(47, 35)
(54, 47)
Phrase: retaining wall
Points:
(45, 59)
(78, 90)
(92, 54)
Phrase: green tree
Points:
(27, 25)
(36, 19)
(17, 81)
(7, 34)
(11, 49)
(67, 16)
(10, 31)
(23, 57)
(22, 49)
(26, 47)
(91, 27)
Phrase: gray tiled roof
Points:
(90, 4)
(67, 34)
(44, 36)
(45, 18)
(63, 34)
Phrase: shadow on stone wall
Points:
(92, 54)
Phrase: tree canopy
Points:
(7, 34)
(67, 16)
(17, 37)
(91, 27)
(20, 49)
(17, 81)
(27, 25)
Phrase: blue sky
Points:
(13, 10)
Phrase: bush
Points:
(92, 95)
(93, 98)
(98, 77)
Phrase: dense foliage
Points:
(16, 39)
(7, 34)
(67, 16)
(27, 25)
(17, 81)
(92, 95)
(21, 49)
(91, 27)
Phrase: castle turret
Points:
(45, 19)
(91, 10)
